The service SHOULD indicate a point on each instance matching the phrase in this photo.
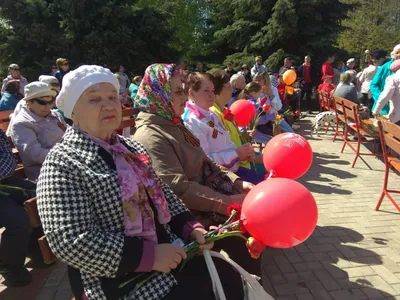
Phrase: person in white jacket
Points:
(207, 127)
(391, 92)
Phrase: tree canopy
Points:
(136, 33)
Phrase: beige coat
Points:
(180, 164)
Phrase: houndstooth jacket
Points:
(79, 204)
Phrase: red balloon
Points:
(244, 112)
(279, 212)
(289, 155)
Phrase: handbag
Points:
(252, 288)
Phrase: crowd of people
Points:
(112, 207)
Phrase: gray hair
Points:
(236, 77)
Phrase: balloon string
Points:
(271, 174)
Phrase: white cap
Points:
(77, 81)
(351, 60)
(37, 89)
(48, 79)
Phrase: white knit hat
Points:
(48, 79)
(77, 81)
(397, 47)
(37, 89)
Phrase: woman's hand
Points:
(243, 187)
(245, 152)
(198, 235)
(167, 257)
(252, 133)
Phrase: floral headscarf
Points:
(154, 95)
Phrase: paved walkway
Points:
(353, 254)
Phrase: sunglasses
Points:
(42, 102)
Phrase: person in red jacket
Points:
(327, 69)
(327, 85)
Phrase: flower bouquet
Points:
(232, 227)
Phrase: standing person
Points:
(246, 73)
(229, 69)
(134, 87)
(125, 82)
(15, 239)
(306, 75)
(367, 75)
(199, 67)
(378, 82)
(63, 68)
(337, 70)
(390, 92)
(258, 67)
(327, 69)
(287, 65)
(10, 98)
(14, 73)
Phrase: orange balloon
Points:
(289, 77)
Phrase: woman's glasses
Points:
(44, 103)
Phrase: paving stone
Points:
(353, 294)
(318, 291)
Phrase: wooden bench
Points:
(390, 137)
(5, 119)
(347, 112)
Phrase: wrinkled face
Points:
(204, 97)
(98, 110)
(179, 96)
(41, 106)
(226, 93)
(240, 83)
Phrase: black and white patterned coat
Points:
(79, 204)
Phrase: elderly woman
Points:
(14, 73)
(205, 187)
(10, 98)
(105, 212)
(36, 128)
(346, 89)
(208, 128)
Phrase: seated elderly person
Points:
(238, 82)
(346, 89)
(10, 99)
(106, 213)
(208, 128)
(36, 128)
(204, 186)
(15, 239)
